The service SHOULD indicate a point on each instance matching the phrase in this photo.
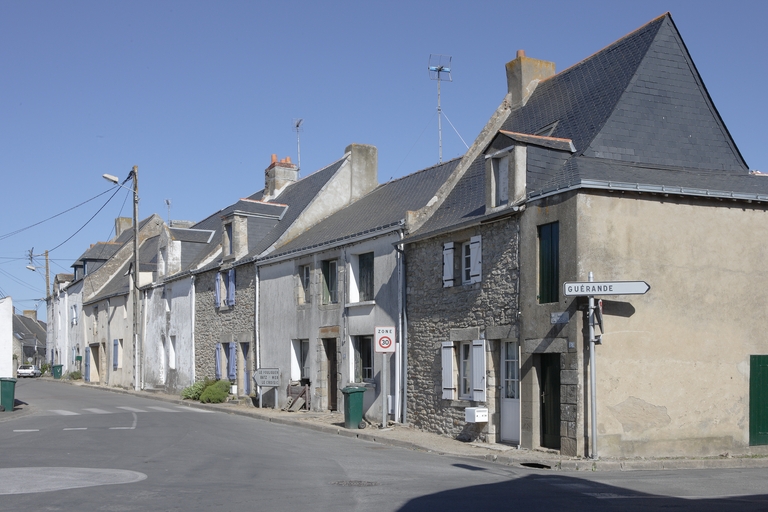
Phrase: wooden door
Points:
(550, 401)
(758, 400)
(329, 344)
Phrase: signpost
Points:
(590, 289)
(266, 378)
(384, 344)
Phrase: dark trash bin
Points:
(7, 393)
(57, 371)
(353, 407)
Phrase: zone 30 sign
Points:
(385, 339)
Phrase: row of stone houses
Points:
(619, 167)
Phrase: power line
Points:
(117, 189)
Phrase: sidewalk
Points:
(408, 437)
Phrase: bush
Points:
(215, 393)
(75, 375)
(45, 368)
(194, 391)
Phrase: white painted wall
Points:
(6, 337)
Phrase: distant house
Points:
(619, 166)
(30, 336)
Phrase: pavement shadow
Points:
(558, 492)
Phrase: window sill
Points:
(359, 304)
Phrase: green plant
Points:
(194, 391)
(216, 393)
(75, 375)
(45, 368)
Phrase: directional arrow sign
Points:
(605, 288)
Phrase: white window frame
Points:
(500, 175)
(359, 366)
(468, 381)
(299, 355)
(305, 279)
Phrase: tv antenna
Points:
(297, 126)
(168, 205)
(440, 69)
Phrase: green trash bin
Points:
(353, 407)
(57, 371)
(7, 393)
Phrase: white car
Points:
(28, 370)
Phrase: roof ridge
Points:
(414, 173)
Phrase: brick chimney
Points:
(524, 74)
(278, 175)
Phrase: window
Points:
(300, 361)
(305, 274)
(361, 287)
(500, 179)
(468, 383)
(227, 281)
(229, 246)
(511, 370)
(549, 263)
(363, 346)
(466, 262)
(330, 282)
(117, 353)
(74, 314)
(172, 353)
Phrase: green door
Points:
(758, 400)
(550, 401)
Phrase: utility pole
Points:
(135, 287)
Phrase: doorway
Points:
(329, 346)
(510, 394)
(550, 401)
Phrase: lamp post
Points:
(134, 175)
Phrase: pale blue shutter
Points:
(231, 366)
(447, 264)
(114, 354)
(478, 371)
(87, 364)
(475, 259)
(447, 359)
(217, 291)
(231, 287)
(217, 361)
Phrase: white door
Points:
(510, 396)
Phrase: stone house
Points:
(226, 285)
(619, 166)
(323, 294)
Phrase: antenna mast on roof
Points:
(439, 68)
(168, 204)
(297, 126)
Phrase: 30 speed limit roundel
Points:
(385, 339)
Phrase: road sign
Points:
(385, 339)
(605, 288)
(267, 377)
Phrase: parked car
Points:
(28, 370)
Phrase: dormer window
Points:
(500, 180)
(505, 175)
(228, 242)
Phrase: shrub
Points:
(194, 391)
(216, 393)
(45, 368)
(75, 375)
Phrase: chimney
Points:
(364, 167)
(122, 224)
(30, 313)
(524, 74)
(278, 175)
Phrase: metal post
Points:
(47, 278)
(439, 120)
(135, 287)
(592, 384)
(384, 404)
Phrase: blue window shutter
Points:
(231, 367)
(87, 364)
(114, 354)
(217, 361)
(217, 291)
(231, 287)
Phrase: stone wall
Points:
(224, 324)
(434, 312)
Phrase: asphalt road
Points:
(87, 449)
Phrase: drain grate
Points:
(354, 483)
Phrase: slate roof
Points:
(119, 284)
(382, 208)
(639, 118)
(29, 329)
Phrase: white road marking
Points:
(186, 408)
(131, 409)
(132, 427)
(76, 428)
(28, 430)
(64, 413)
(98, 411)
(161, 409)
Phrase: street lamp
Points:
(134, 175)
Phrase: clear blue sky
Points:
(200, 94)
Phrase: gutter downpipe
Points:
(192, 330)
(403, 321)
(142, 335)
(256, 339)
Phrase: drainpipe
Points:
(256, 339)
(142, 332)
(403, 321)
(192, 330)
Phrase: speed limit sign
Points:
(385, 339)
